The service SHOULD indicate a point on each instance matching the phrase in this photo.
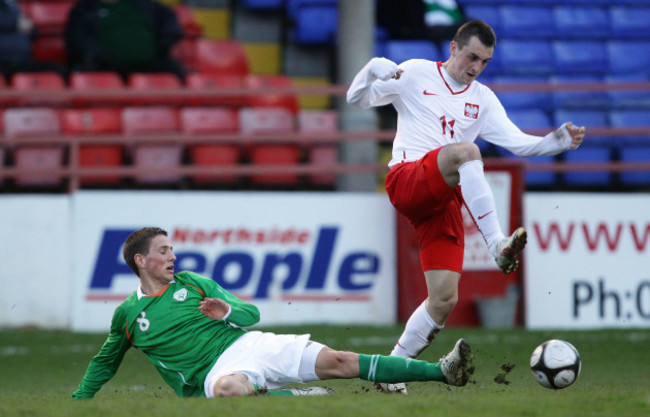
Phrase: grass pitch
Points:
(40, 369)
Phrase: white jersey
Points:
(434, 110)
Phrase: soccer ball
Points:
(555, 364)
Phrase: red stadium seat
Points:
(199, 81)
(152, 153)
(262, 82)
(207, 120)
(38, 81)
(320, 121)
(49, 49)
(49, 17)
(34, 122)
(221, 57)
(184, 51)
(270, 120)
(96, 121)
(154, 82)
(188, 22)
(94, 81)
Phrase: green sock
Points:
(391, 369)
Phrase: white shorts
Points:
(268, 360)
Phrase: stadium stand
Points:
(320, 121)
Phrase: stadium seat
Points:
(524, 57)
(399, 51)
(626, 57)
(630, 119)
(579, 99)
(263, 82)
(320, 154)
(211, 120)
(184, 51)
(485, 12)
(270, 120)
(628, 98)
(630, 22)
(152, 83)
(91, 82)
(96, 121)
(49, 49)
(49, 17)
(316, 23)
(221, 57)
(523, 99)
(149, 122)
(575, 22)
(263, 4)
(589, 153)
(580, 57)
(34, 122)
(635, 154)
(521, 22)
(217, 82)
(530, 119)
(590, 119)
(186, 19)
(35, 82)
(540, 178)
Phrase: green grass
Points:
(40, 369)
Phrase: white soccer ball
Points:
(555, 364)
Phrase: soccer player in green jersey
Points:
(191, 330)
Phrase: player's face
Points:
(159, 262)
(468, 62)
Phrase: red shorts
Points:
(419, 192)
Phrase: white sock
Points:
(419, 332)
(480, 202)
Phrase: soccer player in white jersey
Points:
(436, 166)
(190, 328)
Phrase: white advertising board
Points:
(300, 257)
(587, 260)
(36, 268)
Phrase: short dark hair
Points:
(139, 242)
(478, 28)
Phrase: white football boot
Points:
(456, 365)
(312, 391)
(398, 388)
(508, 250)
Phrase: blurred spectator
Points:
(125, 36)
(437, 20)
(16, 34)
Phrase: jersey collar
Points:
(444, 74)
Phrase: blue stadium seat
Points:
(579, 99)
(518, 21)
(540, 178)
(529, 58)
(630, 118)
(316, 24)
(590, 119)
(399, 51)
(635, 154)
(263, 4)
(581, 57)
(581, 22)
(630, 22)
(628, 57)
(293, 6)
(487, 13)
(589, 153)
(513, 100)
(628, 99)
(530, 119)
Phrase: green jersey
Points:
(168, 327)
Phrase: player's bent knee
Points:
(229, 386)
(337, 364)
